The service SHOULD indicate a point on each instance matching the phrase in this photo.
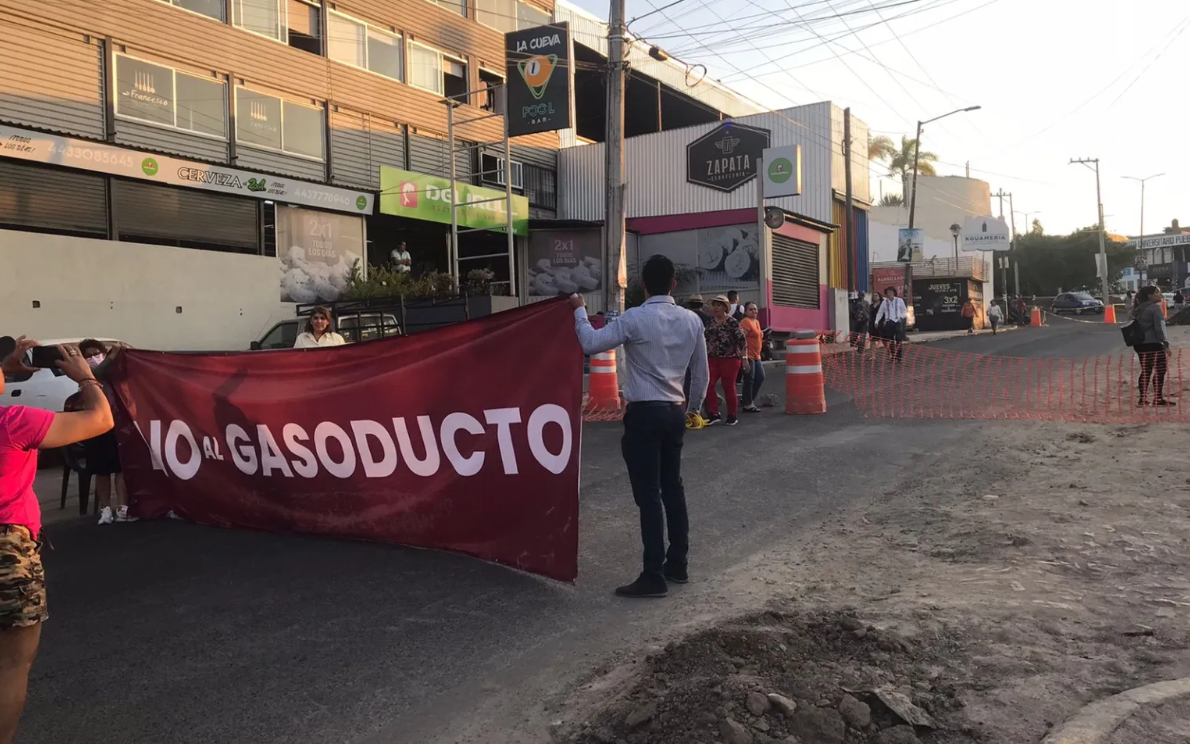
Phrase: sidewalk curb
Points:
(1096, 722)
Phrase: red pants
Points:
(725, 369)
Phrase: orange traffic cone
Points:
(603, 390)
(1109, 314)
(805, 391)
(1035, 318)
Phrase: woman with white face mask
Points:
(103, 456)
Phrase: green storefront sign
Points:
(421, 197)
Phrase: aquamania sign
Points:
(37, 147)
(423, 197)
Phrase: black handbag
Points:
(1134, 335)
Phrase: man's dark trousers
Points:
(652, 447)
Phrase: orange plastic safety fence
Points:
(929, 382)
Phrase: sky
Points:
(1056, 79)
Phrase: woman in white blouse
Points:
(890, 321)
(318, 331)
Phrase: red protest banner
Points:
(465, 438)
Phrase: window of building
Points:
(457, 6)
(161, 95)
(357, 44)
(432, 70)
(210, 8)
(540, 186)
(509, 15)
(264, 17)
(489, 96)
(304, 23)
(492, 168)
(272, 123)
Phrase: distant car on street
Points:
(46, 389)
(1076, 303)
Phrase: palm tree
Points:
(892, 200)
(880, 148)
(900, 162)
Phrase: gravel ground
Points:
(996, 611)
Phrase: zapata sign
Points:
(725, 158)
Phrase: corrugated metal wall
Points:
(656, 171)
(360, 144)
(136, 134)
(50, 79)
(279, 162)
(427, 154)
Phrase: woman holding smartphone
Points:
(23, 431)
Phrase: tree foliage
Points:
(1036, 228)
(1050, 262)
(892, 200)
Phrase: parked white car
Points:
(46, 389)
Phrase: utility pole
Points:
(1004, 260)
(1140, 242)
(614, 227)
(1102, 242)
(1016, 261)
(851, 241)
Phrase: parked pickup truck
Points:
(353, 328)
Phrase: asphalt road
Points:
(171, 632)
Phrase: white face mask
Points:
(95, 360)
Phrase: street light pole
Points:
(916, 165)
(1102, 242)
(1140, 242)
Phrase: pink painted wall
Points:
(787, 319)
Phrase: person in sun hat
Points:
(727, 348)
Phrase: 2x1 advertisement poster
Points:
(317, 251)
(565, 261)
(359, 441)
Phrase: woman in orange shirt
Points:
(753, 367)
(969, 316)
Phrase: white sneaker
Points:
(105, 515)
(122, 515)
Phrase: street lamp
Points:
(1140, 242)
(955, 229)
(1028, 225)
(917, 152)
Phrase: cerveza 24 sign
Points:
(725, 158)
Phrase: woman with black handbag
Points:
(1154, 349)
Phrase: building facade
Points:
(179, 173)
(691, 194)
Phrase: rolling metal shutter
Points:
(44, 198)
(154, 213)
(795, 273)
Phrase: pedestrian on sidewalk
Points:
(660, 340)
(873, 328)
(1154, 352)
(969, 316)
(995, 317)
(860, 321)
(753, 366)
(890, 320)
(23, 431)
(726, 351)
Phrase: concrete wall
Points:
(941, 202)
(131, 291)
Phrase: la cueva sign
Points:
(726, 157)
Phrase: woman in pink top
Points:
(22, 580)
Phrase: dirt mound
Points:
(786, 678)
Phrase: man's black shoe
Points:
(676, 574)
(644, 587)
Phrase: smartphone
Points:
(42, 357)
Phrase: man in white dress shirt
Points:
(661, 340)
(890, 320)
